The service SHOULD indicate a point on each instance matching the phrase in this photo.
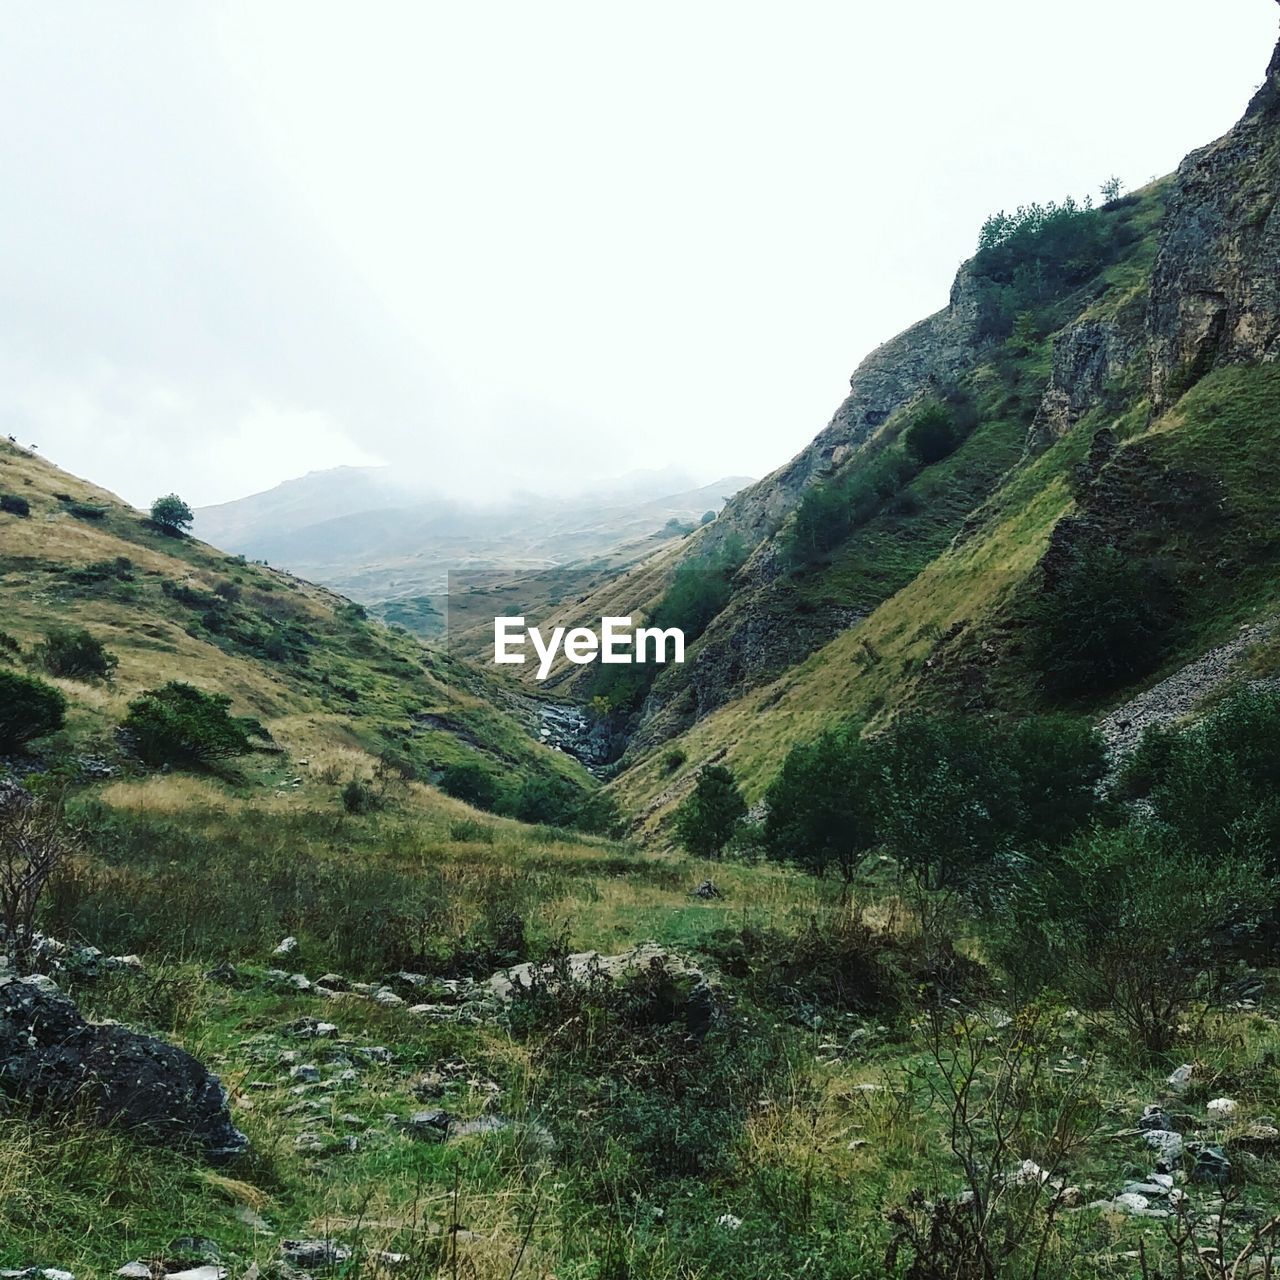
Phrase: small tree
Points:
(822, 806)
(181, 725)
(29, 709)
(14, 505)
(931, 436)
(1112, 189)
(711, 813)
(172, 515)
(31, 850)
(75, 654)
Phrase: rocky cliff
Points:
(1215, 289)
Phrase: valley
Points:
(921, 924)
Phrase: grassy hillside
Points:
(331, 687)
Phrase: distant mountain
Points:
(365, 533)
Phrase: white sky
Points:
(528, 244)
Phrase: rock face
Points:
(1087, 357)
(934, 351)
(51, 1056)
(1215, 288)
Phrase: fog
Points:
(515, 246)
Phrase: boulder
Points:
(701, 1005)
(55, 1059)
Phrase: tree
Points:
(29, 709)
(948, 799)
(182, 725)
(711, 813)
(172, 514)
(1112, 189)
(708, 517)
(931, 435)
(1216, 784)
(822, 804)
(75, 654)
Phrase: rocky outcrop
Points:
(931, 353)
(53, 1058)
(1087, 358)
(1215, 289)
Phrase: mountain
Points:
(1101, 381)
(359, 531)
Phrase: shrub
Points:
(710, 814)
(172, 515)
(359, 796)
(29, 709)
(9, 647)
(86, 511)
(931, 435)
(14, 505)
(1133, 922)
(1108, 620)
(181, 725)
(673, 759)
(552, 801)
(31, 850)
(75, 654)
(472, 783)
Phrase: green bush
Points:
(931, 435)
(29, 709)
(472, 783)
(75, 654)
(1109, 619)
(359, 796)
(14, 505)
(181, 725)
(1134, 923)
(710, 815)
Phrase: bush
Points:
(360, 797)
(1135, 923)
(709, 816)
(14, 505)
(172, 515)
(931, 436)
(673, 759)
(75, 654)
(181, 725)
(472, 783)
(29, 709)
(1108, 620)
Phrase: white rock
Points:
(287, 947)
(1131, 1202)
(729, 1222)
(1029, 1175)
(387, 997)
(135, 1271)
(209, 1272)
(1222, 1106)
(1181, 1077)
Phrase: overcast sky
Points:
(528, 244)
